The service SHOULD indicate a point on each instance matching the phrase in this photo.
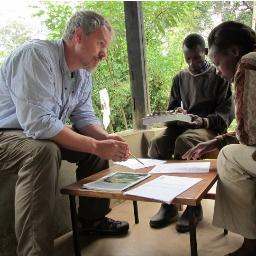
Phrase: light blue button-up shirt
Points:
(38, 94)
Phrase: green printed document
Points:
(117, 181)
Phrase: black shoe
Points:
(182, 225)
(105, 226)
(165, 216)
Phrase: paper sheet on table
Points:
(134, 164)
(187, 167)
(164, 188)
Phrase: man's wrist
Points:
(93, 146)
(205, 123)
(221, 141)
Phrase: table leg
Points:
(192, 231)
(135, 210)
(74, 221)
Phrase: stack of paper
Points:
(185, 167)
(164, 188)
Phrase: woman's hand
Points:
(200, 149)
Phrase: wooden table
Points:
(191, 197)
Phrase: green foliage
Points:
(55, 15)
(236, 10)
(166, 24)
(13, 35)
(232, 126)
(210, 11)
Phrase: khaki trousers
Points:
(235, 205)
(175, 141)
(37, 164)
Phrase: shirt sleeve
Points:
(245, 91)
(175, 98)
(32, 91)
(223, 115)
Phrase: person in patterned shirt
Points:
(232, 49)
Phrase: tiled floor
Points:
(144, 241)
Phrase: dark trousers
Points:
(88, 164)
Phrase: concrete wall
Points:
(138, 140)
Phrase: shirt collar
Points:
(205, 66)
(63, 64)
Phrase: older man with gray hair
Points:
(43, 83)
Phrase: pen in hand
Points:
(136, 158)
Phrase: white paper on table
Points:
(185, 167)
(134, 164)
(164, 188)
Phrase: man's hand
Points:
(180, 110)
(96, 142)
(113, 149)
(200, 149)
(115, 137)
(197, 122)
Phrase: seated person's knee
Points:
(153, 151)
(48, 151)
(182, 145)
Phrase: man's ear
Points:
(78, 34)
(206, 51)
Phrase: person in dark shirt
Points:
(207, 98)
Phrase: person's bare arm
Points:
(94, 131)
(200, 149)
(104, 148)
